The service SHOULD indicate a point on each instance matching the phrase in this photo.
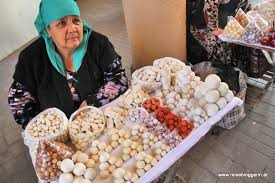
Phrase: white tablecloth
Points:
(182, 148)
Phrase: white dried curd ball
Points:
(128, 175)
(82, 158)
(221, 102)
(112, 160)
(86, 181)
(212, 96)
(90, 163)
(66, 178)
(104, 174)
(104, 166)
(79, 169)
(202, 102)
(212, 82)
(229, 96)
(90, 174)
(140, 172)
(67, 165)
(119, 173)
(120, 180)
(104, 157)
(223, 89)
(78, 179)
(134, 177)
(211, 109)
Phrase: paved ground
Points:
(249, 147)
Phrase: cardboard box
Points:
(156, 29)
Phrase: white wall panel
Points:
(16, 24)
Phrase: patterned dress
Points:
(24, 106)
(219, 52)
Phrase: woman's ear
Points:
(48, 31)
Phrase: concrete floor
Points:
(249, 147)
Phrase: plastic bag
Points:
(48, 158)
(266, 10)
(260, 22)
(149, 77)
(31, 134)
(233, 29)
(86, 124)
(253, 33)
(242, 18)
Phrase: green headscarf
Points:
(50, 11)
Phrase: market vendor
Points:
(205, 28)
(67, 67)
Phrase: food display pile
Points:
(255, 27)
(124, 140)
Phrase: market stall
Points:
(136, 137)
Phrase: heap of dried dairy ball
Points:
(46, 124)
(115, 117)
(133, 98)
(86, 126)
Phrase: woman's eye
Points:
(76, 21)
(61, 23)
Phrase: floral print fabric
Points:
(116, 84)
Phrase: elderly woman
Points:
(205, 27)
(68, 66)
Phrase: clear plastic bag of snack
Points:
(50, 124)
(233, 29)
(260, 22)
(48, 158)
(266, 10)
(242, 18)
(86, 124)
(253, 33)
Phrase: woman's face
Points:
(67, 32)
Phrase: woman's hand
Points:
(217, 32)
(83, 104)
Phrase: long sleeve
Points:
(23, 105)
(211, 12)
(116, 83)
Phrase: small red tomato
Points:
(161, 120)
(183, 129)
(190, 126)
(183, 134)
(183, 123)
(171, 127)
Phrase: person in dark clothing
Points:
(206, 26)
(67, 67)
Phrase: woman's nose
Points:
(71, 27)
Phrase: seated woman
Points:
(67, 67)
(205, 27)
